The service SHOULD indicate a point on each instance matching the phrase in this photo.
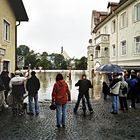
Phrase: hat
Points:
(17, 72)
(132, 71)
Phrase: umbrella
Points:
(109, 68)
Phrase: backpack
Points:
(124, 90)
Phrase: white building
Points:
(116, 35)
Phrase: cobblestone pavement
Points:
(101, 125)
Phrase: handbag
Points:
(52, 106)
(10, 99)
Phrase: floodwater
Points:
(47, 80)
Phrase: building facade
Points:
(12, 12)
(116, 35)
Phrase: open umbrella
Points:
(109, 68)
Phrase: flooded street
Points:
(47, 80)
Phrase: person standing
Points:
(84, 85)
(114, 91)
(18, 91)
(2, 96)
(105, 90)
(60, 97)
(32, 86)
(6, 79)
(123, 94)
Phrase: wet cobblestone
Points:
(101, 125)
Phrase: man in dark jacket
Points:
(84, 85)
(32, 87)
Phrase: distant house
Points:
(116, 35)
(12, 12)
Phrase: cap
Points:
(17, 72)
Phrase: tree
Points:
(81, 64)
(44, 62)
(23, 50)
(49, 61)
(58, 61)
(31, 59)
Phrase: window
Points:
(123, 20)
(137, 44)
(6, 31)
(123, 47)
(96, 54)
(137, 12)
(91, 57)
(113, 27)
(113, 50)
(105, 30)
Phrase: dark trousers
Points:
(83, 97)
(6, 94)
(123, 103)
(133, 100)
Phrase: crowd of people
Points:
(15, 87)
(13, 92)
(123, 87)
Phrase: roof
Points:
(110, 14)
(112, 4)
(19, 10)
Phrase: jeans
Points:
(31, 103)
(61, 114)
(81, 96)
(115, 100)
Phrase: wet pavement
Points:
(101, 125)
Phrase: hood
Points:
(61, 83)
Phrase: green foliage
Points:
(81, 64)
(49, 61)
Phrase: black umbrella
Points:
(109, 68)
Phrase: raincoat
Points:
(60, 93)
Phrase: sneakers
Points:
(114, 112)
(30, 113)
(91, 112)
(75, 111)
(6, 106)
(63, 126)
(37, 113)
(58, 126)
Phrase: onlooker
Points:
(2, 97)
(84, 85)
(6, 79)
(114, 91)
(137, 88)
(123, 94)
(60, 96)
(105, 90)
(18, 90)
(32, 86)
(131, 93)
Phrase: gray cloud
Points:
(56, 23)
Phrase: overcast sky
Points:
(56, 23)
